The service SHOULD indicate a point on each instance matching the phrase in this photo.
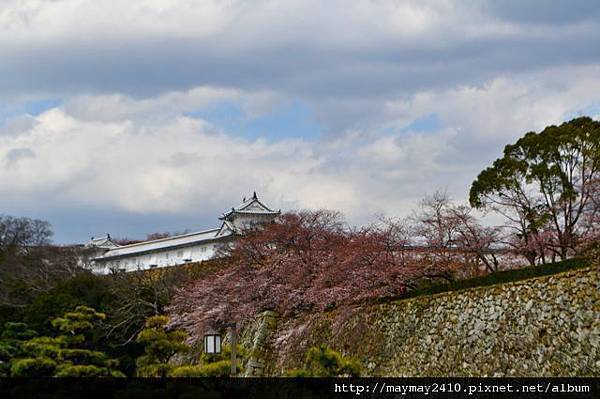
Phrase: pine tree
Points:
(11, 341)
(160, 346)
(70, 353)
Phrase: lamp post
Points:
(212, 345)
(233, 329)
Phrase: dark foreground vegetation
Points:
(40, 284)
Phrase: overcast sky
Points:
(139, 116)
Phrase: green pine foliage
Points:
(213, 364)
(69, 354)
(225, 355)
(77, 326)
(220, 368)
(46, 347)
(160, 345)
(11, 341)
(17, 332)
(33, 367)
(321, 361)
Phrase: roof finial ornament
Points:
(254, 195)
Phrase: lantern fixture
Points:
(212, 342)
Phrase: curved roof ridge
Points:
(167, 238)
(245, 204)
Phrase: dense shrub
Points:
(322, 361)
(160, 345)
(85, 289)
(70, 354)
(33, 367)
(221, 368)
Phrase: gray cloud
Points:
(336, 64)
(12, 157)
(17, 125)
(547, 12)
(121, 151)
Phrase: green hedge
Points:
(506, 276)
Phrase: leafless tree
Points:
(28, 263)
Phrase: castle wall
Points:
(546, 326)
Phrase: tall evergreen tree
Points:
(544, 185)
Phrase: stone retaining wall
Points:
(547, 326)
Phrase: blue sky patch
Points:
(39, 106)
(425, 124)
(290, 120)
(592, 110)
(34, 108)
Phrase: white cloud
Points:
(130, 74)
(79, 20)
(504, 108)
(257, 23)
(115, 107)
(102, 151)
(171, 167)
(69, 19)
(310, 49)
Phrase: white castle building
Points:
(105, 256)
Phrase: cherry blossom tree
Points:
(307, 262)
